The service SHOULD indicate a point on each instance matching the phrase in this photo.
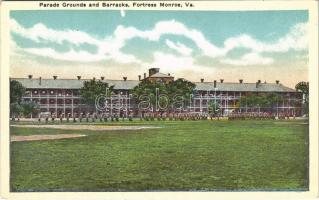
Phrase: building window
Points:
(51, 92)
(43, 92)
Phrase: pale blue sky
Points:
(228, 40)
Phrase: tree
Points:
(182, 87)
(16, 91)
(303, 87)
(92, 89)
(262, 100)
(29, 108)
(273, 100)
(249, 100)
(146, 90)
(213, 108)
(15, 109)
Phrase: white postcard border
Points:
(311, 6)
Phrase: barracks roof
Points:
(243, 87)
(130, 84)
(72, 83)
(160, 75)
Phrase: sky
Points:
(229, 45)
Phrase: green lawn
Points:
(182, 155)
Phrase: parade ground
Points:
(199, 155)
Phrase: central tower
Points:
(153, 71)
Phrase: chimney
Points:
(215, 83)
(55, 77)
(124, 78)
(139, 77)
(79, 77)
(259, 81)
(40, 80)
(202, 80)
(144, 75)
(169, 74)
(240, 80)
(102, 78)
(221, 80)
(277, 82)
(30, 76)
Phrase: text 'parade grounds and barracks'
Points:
(114, 5)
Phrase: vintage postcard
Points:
(157, 100)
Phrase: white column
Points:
(200, 103)
(31, 101)
(126, 104)
(289, 107)
(48, 100)
(207, 100)
(72, 103)
(239, 100)
(227, 101)
(111, 106)
(64, 103)
(56, 104)
(119, 103)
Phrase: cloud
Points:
(173, 63)
(295, 39)
(110, 47)
(170, 27)
(40, 33)
(81, 56)
(170, 61)
(179, 47)
(71, 55)
(122, 13)
(249, 59)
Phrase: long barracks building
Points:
(61, 96)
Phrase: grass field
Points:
(182, 155)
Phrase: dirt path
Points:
(86, 127)
(19, 138)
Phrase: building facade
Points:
(61, 96)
